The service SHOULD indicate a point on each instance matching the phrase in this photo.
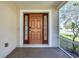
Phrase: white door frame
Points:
(21, 28)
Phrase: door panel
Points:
(35, 28)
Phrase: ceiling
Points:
(37, 4)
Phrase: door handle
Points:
(29, 27)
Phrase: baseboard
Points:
(36, 45)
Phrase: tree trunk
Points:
(74, 47)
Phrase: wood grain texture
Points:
(35, 29)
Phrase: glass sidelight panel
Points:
(45, 27)
(26, 27)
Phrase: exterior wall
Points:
(11, 27)
(53, 39)
(8, 28)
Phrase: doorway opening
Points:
(35, 28)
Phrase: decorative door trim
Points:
(49, 11)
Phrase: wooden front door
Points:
(35, 28)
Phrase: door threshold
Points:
(35, 45)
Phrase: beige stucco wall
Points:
(8, 27)
(53, 24)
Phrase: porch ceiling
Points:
(37, 4)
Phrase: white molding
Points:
(36, 45)
(35, 11)
(21, 26)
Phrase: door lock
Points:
(29, 27)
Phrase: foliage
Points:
(75, 29)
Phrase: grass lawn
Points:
(64, 44)
(69, 36)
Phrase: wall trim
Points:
(36, 45)
(49, 25)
